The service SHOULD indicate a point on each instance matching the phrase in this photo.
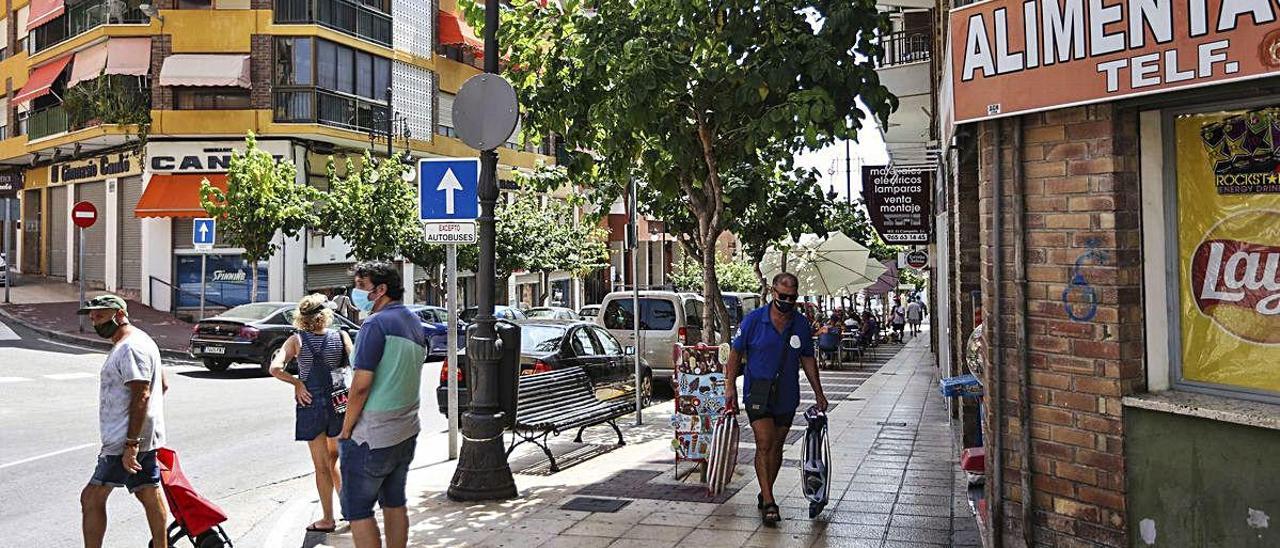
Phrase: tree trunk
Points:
(763, 288)
(253, 290)
(714, 313)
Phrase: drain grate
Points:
(592, 504)
(882, 423)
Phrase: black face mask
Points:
(784, 307)
(107, 329)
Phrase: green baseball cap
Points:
(104, 302)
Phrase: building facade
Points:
(1107, 185)
(131, 110)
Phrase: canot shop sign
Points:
(1012, 57)
(204, 156)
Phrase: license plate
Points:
(214, 350)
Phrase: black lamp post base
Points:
(482, 473)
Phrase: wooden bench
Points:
(552, 402)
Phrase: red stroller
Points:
(194, 517)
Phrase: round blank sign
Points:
(485, 111)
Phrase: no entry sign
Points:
(84, 214)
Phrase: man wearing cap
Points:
(131, 419)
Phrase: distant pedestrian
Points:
(320, 390)
(915, 315)
(343, 306)
(898, 319)
(381, 427)
(776, 342)
(131, 420)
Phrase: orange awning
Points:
(454, 31)
(176, 195)
(44, 11)
(41, 80)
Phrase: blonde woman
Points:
(320, 392)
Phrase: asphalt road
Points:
(233, 432)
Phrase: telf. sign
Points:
(1012, 57)
(898, 203)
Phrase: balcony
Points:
(81, 18)
(315, 106)
(905, 69)
(905, 47)
(38, 124)
(354, 18)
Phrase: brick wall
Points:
(260, 71)
(161, 96)
(965, 269)
(1082, 207)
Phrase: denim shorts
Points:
(110, 471)
(316, 419)
(370, 475)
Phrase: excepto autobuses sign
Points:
(1011, 57)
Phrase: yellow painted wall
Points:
(453, 74)
(13, 146)
(210, 31)
(15, 67)
(205, 122)
(36, 177)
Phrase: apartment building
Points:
(131, 105)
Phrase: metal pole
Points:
(80, 269)
(8, 247)
(848, 174)
(483, 472)
(635, 298)
(451, 357)
(390, 122)
(204, 288)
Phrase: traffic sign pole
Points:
(8, 247)
(80, 269)
(204, 288)
(83, 214)
(451, 303)
(203, 232)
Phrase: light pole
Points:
(483, 472)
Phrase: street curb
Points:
(82, 341)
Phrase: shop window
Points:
(1222, 196)
(195, 4)
(211, 98)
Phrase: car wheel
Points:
(270, 357)
(217, 366)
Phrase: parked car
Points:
(548, 345)
(666, 318)
(739, 305)
(4, 270)
(249, 333)
(500, 312)
(589, 312)
(551, 313)
(435, 325)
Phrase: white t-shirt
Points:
(134, 358)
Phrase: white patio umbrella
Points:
(824, 266)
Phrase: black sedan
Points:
(547, 345)
(250, 333)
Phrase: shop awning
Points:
(454, 31)
(205, 70)
(176, 195)
(44, 11)
(40, 82)
(127, 56)
(89, 64)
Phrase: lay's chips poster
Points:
(1228, 212)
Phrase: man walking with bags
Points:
(776, 342)
(131, 413)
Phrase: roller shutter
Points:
(182, 234)
(95, 237)
(31, 220)
(58, 212)
(130, 271)
(328, 276)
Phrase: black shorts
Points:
(784, 419)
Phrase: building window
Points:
(1222, 191)
(195, 4)
(210, 98)
(350, 85)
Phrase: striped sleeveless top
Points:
(322, 352)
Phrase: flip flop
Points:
(313, 529)
(771, 515)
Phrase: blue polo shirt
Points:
(763, 348)
(392, 345)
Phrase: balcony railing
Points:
(353, 18)
(44, 122)
(904, 47)
(315, 106)
(81, 18)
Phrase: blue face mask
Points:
(360, 298)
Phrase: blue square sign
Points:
(203, 232)
(447, 189)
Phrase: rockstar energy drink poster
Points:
(1228, 180)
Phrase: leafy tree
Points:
(545, 239)
(693, 97)
(262, 198)
(734, 275)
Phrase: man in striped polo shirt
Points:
(381, 427)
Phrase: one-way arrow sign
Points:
(449, 184)
(447, 190)
(203, 233)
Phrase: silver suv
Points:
(666, 318)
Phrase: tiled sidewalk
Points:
(896, 485)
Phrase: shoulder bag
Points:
(764, 393)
